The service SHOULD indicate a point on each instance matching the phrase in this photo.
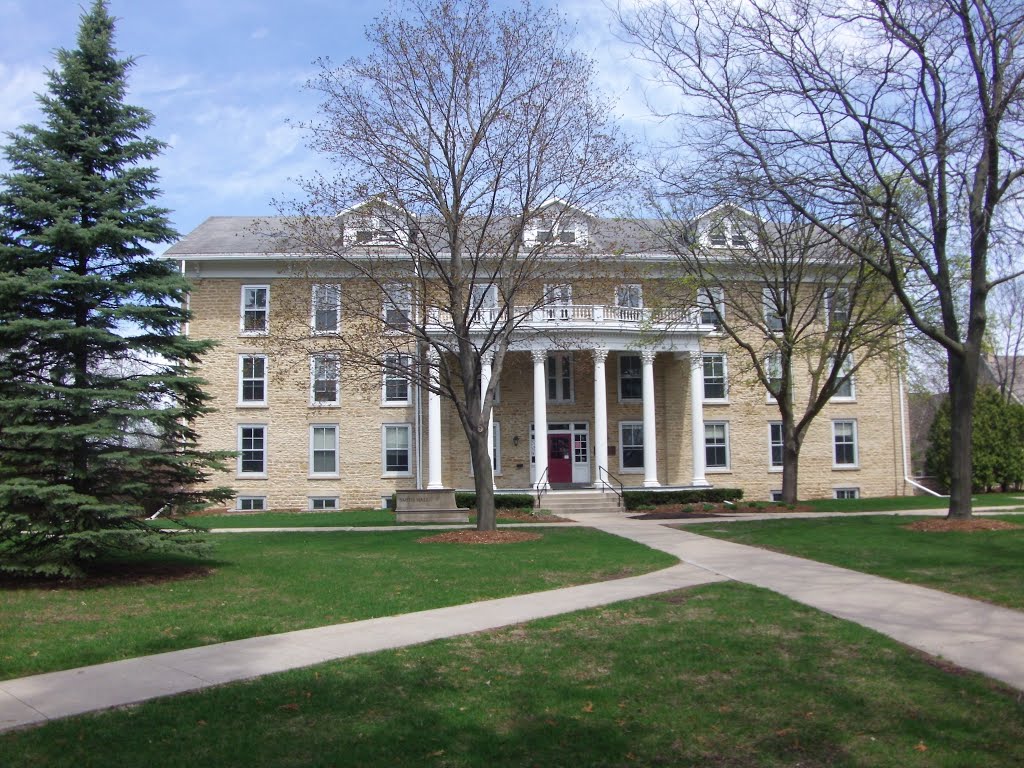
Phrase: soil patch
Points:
(942, 524)
(135, 574)
(525, 516)
(480, 537)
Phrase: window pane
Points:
(715, 446)
(252, 448)
(632, 446)
(326, 302)
(631, 380)
(714, 377)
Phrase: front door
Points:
(560, 458)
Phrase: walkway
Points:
(966, 632)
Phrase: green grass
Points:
(988, 565)
(351, 518)
(267, 583)
(899, 503)
(723, 676)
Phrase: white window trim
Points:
(707, 299)
(622, 453)
(856, 445)
(266, 451)
(772, 494)
(847, 488)
(631, 400)
(639, 289)
(391, 291)
(773, 362)
(266, 381)
(385, 376)
(335, 472)
(313, 402)
(725, 379)
(250, 497)
(852, 397)
(572, 376)
(771, 466)
(383, 449)
(829, 294)
(335, 499)
(317, 287)
(241, 314)
(496, 451)
(560, 309)
(728, 448)
(770, 312)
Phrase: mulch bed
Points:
(942, 524)
(469, 536)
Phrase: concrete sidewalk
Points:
(35, 699)
(968, 633)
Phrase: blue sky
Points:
(223, 77)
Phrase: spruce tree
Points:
(97, 392)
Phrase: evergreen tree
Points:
(97, 393)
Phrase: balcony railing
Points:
(583, 316)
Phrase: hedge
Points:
(501, 500)
(638, 499)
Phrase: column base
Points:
(700, 482)
(435, 486)
(652, 484)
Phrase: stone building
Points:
(618, 389)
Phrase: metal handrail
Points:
(605, 484)
(542, 486)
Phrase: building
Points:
(618, 379)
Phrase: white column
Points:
(540, 418)
(697, 417)
(486, 360)
(434, 426)
(650, 431)
(600, 441)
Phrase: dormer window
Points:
(567, 236)
(544, 236)
(717, 236)
(727, 233)
(371, 230)
(562, 233)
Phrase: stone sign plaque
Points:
(429, 506)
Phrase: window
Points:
(714, 377)
(631, 442)
(774, 310)
(773, 372)
(837, 307)
(252, 449)
(844, 442)
(846, 493)
(255, 309)
(716, 444)
(708, 300)
(483, 302)
(630, 296)
(396, 383)
(323, 449)
(325, 388)
(251, 503)
(844, 382)
(326, 313)
(558, 299)
(775, 445)
(252, 380)
(775, 496)
(630, 378)
(567, 235)
(728, 233)
(495, 450)
(396, 448)
(320, 503)
(397, 310)
(717, 237)
(559, 372)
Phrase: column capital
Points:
(487, 358)
(539, 355)
(647, 354)
(600, 354)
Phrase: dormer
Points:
(558, 224)
(727, 226)
(375, 222)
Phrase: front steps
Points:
(580, 502)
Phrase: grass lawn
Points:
(988, 565)
(723, 676)
(260, 584)
(355, 518)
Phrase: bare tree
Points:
(901, 117)
(470, 147)
(804, 313)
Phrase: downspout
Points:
(188, 303)
(418, 419)
(903, 437)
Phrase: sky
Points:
(224, 80)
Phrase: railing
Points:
(561, 315)
(542, 486)
(604, 476)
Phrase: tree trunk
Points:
(963, 387)
(790, 465)
(483, 478)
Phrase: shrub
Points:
(501, 500)
(646, 498)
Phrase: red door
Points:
(560, 458)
